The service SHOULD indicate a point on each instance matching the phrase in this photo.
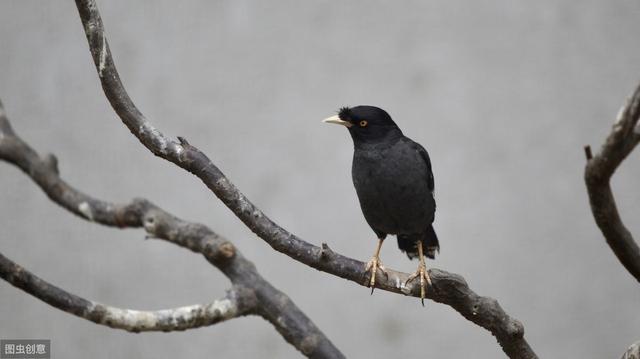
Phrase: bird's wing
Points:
(425, 156)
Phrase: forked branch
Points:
(450, 289)
(250, 293)
(599, 169)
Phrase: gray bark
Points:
(597, 174)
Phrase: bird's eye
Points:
(363, 123)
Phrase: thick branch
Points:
(621, 141)
(450, 289)
(237, 302)
(272, 304)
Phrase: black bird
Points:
(394, 182)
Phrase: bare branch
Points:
(450, 289)
(237, 302)
(44, 171)
(633, 352)
(272, 304)
(598, 171)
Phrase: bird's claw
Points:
(424, 279)
(372, 266)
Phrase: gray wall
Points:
(503, 94)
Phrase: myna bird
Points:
(394, 182)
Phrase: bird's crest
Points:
(343, 113)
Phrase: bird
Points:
(394, 183)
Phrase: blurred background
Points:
(503, 94)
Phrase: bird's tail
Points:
(430, 245)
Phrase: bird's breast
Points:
(392, 188)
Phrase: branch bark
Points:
(270, 303)
(447, 288)
(237, 302)
(633, 352)
(599, 169)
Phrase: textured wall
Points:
(503, 94)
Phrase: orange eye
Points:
(363, 123)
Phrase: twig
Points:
(597, 174)
(450, 289)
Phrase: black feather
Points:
(393, 178)
(343, 113)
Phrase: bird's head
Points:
(366, 124)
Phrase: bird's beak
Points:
(335, 119)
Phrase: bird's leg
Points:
(374, 264)
(422, 273)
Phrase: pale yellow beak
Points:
(336, 119)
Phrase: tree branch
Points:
(271, 304)
(599, 169)
(633, 352)
(237, 302)
(450, 289)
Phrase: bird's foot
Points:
(373, 265)
(424, 279)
